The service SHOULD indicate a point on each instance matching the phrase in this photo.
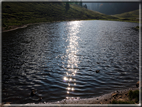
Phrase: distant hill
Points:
(20, 13)
(132, 15)
(113, 8)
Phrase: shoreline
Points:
(105, 99)
(16, 27)
(119, 95)
(26, 25)
(22, 26)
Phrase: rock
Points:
(97, 71)
(7, 102)
(121, 99)
(119, 96)
(114, 94)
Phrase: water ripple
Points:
(59, 60)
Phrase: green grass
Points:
(20, 13)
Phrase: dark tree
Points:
(80, 3)
(67, 6)
(85, 6)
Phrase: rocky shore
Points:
(121, 96)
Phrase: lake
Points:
(59, 60)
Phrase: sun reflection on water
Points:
(73, 61)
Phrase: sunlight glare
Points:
(68, 88)
(72, 89)
(65, 78)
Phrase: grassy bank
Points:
(15, 14)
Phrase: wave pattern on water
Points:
(59, 60)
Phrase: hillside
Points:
(132, 15)
(112, 8)
(20, 13)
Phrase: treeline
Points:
(79, 3)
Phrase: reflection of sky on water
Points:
(73, 61)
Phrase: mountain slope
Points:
(20, 13)
(132, 15)
(112, 8)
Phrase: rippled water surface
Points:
(59, 60)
